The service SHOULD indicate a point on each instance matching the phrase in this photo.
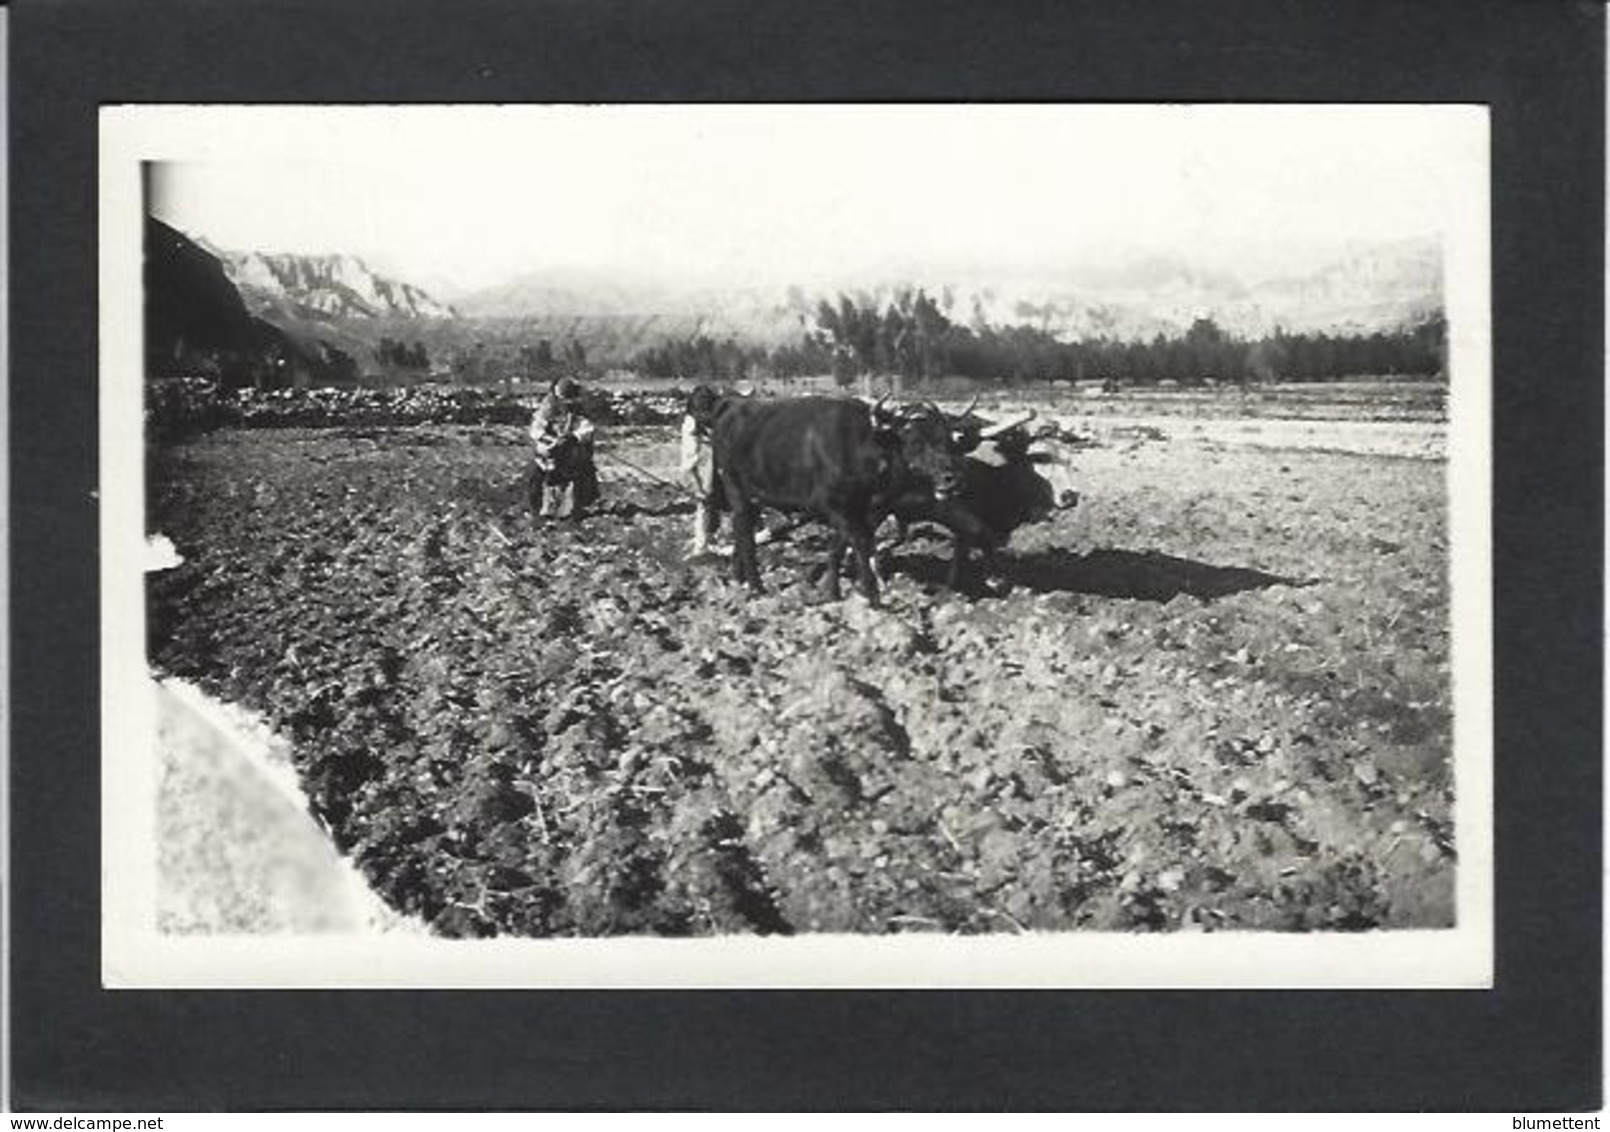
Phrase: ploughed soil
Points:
(1215, 696)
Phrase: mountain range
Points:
(1364, 289)
(338, 299)
(324, 287)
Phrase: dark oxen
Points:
(1011, 478)
(840, 461)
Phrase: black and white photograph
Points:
(997, 545)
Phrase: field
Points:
(1215, 696)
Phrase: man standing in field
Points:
(698, 463)
(563, 481)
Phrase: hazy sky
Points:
(473, 196)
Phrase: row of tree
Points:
(391, 352)
(485, 361)
(912, 338)
(723, 360)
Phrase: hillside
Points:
(189, 301)
(327, 287)
(198, 322)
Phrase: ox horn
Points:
(995, 430)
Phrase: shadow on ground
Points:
(1141, 575)
(632, 509)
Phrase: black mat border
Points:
(1531, 1044)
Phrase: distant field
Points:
(1362, 400)
(1215, 696)
(1373, 400)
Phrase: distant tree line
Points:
(484, 360)
(390, 352)
(913, 338)
(727, 360)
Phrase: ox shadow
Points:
(1139, 575)
(632, 509)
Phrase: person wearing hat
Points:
(563, 480)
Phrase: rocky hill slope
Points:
(335, 286)
(198, 323)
